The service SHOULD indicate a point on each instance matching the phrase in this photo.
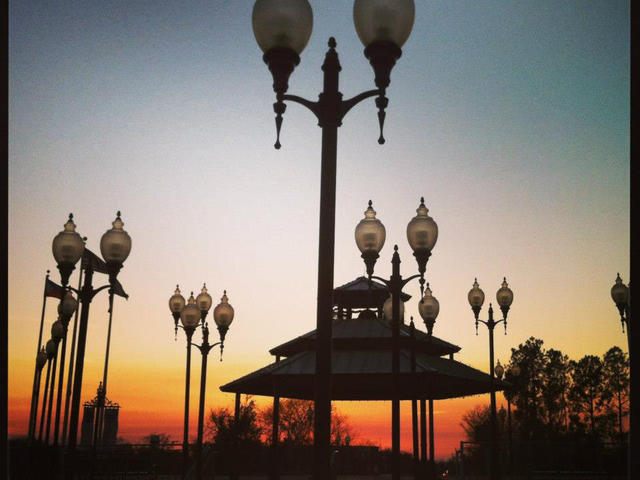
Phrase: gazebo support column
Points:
(275, 434)
(432, 460)
(236, 419)
(416, 446)
(423, 437)
(414, 408)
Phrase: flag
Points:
(91, 260)
(116, 288)
(52, 289)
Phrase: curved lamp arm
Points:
(352, 102)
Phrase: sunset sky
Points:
(510, 118)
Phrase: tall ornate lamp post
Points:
(504, 296)
(192, 315)
(68, 247)
(422, 234)
(282, 29)
(223, 316)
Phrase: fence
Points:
(584, 459)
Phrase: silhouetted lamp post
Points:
(504, 296)
(620, 294)
(50, 350)
(223, 316)
(282, 29)
(190, 318)
(66, 308)
(422, 234)
(68, 247)
(193, 314)
(57, 332)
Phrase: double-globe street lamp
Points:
(68, 247)
(504, 296)
(422, 234)
(193, 314)
(282, 29)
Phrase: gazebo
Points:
(361, 362)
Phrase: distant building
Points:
(108, 431)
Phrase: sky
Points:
(510, 118)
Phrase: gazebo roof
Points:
(366, 375)
(366, 332)
(361, 358)
(360, 293)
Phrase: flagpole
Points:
(65, 420)
(32, 412)
(97, 435)
(44, 400)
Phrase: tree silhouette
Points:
(296, 424)
(528, 386)
(615, 392)
(585, 392)
(555, 392)
(224, 430)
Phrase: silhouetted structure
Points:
(110, 427)
(361, 359)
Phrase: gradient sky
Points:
(510, 118)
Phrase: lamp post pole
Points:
(504, 297)
(65, 420)
(185, 436)
(41, 360)
(50, 351)
(282, 30)
(205, 348)
(67, 307)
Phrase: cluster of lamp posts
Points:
(68, 248)
(422, 234)
(192, 314)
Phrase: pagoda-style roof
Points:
(361, 350)
(366, 332)
(366, 375)
(362, 293)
